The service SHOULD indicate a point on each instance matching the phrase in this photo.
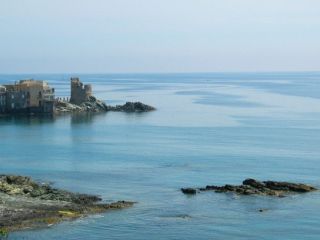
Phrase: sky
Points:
(127, 36)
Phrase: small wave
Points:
(177, 216)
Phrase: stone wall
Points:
(79, 92)
(16, 101)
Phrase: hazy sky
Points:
(56, 36)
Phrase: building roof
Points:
(31, 82)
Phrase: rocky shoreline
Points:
(25, 203)
(254, 187)
(94, 105)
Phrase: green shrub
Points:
(3, 233)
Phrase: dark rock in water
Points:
(95, 105)
(286, 186)
(190, 191)
(132, 107)
(26, 203)
(262, 210)
(254, 187)
(253, 183)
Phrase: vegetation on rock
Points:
(26, 203)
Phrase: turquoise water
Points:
(208, 129)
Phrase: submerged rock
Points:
(25, 203)
(190, 191)
(252, 186)
(262, 210)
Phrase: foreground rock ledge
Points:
(252, 186)
(27, 204)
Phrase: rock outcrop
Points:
(26, 203)
(252, 186)
(131, 107)
(95, 105)
(190, 191)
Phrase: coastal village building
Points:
(27, 96)
(34, 96)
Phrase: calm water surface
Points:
(208, 129)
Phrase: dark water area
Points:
(210, 128)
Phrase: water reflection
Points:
(27, 120)
(79, 118)
(84, 118)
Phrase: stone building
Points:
(79, 92)
(16, 101)
(3, 102)
(28, 96)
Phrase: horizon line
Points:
(178, 72)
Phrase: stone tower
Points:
(79, 93)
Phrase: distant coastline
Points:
(30, 97)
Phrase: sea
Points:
(208, 129)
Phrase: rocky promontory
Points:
(254, 187)
(25, 203)
(95, 105)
